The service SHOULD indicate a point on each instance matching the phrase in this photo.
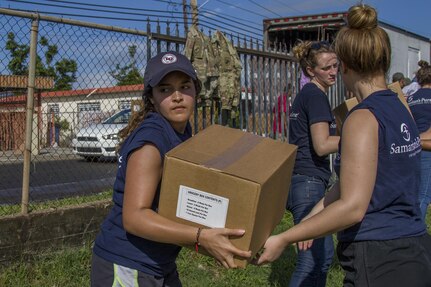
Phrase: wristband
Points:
(198, 234)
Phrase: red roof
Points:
(73, 93)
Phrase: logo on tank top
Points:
(409, 99)
(120, 161)
(412, 147)
(293, 116)
(405, 132)
(421, 101)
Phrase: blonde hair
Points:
(362, 45)
(306, 52)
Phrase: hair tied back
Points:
(362, 17)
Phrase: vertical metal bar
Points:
(272, 104)
(253, 88)
(262, 92)
(177, 33)
(168, 32)
(159, 47)
(148, 40)
(271, 88)
(29, 117)
(246, 88)
(267, 96)
(204, 116)
(261, 95)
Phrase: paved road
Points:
(54, 175)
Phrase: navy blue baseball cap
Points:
(164, 63)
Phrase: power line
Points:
(226, 17)
(92, 9)
(241, 8)
(210, 28)
(204, 13)
(115, 7)
(241, 28)
(291, 8)
(229, 28)
(257, 4)
(105, 17)
(170, 2)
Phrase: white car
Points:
(100, 140)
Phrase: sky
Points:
(243, 18)
(243, 15)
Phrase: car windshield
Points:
(119, 118)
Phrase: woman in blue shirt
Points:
(382, 239)
(311, 128)
(420, 105)
(136, 246)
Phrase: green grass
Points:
(71, 268)
(53, 204)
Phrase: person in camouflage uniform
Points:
(229, 73)
(200, 52)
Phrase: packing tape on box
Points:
(246, 143)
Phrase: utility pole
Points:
(194, 5)
(186, 27)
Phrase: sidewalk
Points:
(45, 154)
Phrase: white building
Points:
(77, 108)
(407, 47)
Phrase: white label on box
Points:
(202, 207)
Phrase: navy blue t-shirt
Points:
(420, 105)
(394, 210)
(113, 243)
(310, 106)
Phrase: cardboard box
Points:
(224, 177)
(341, 111)
(395, 87)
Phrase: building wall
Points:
(68, 108)
(402, 43)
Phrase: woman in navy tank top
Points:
(382, 238)
(312, 129)
(136, 246)
(420, 105)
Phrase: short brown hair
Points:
(424, 75)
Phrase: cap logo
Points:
(169, 59)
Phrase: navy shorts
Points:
(398, 262)
(105, 273)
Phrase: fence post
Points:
(29, 117)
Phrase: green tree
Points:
(63, 71)
(128, 74)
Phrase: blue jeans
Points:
(425, 184)
(312, 265)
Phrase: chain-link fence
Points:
(67, 87)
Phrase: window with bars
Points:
(89, 107)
